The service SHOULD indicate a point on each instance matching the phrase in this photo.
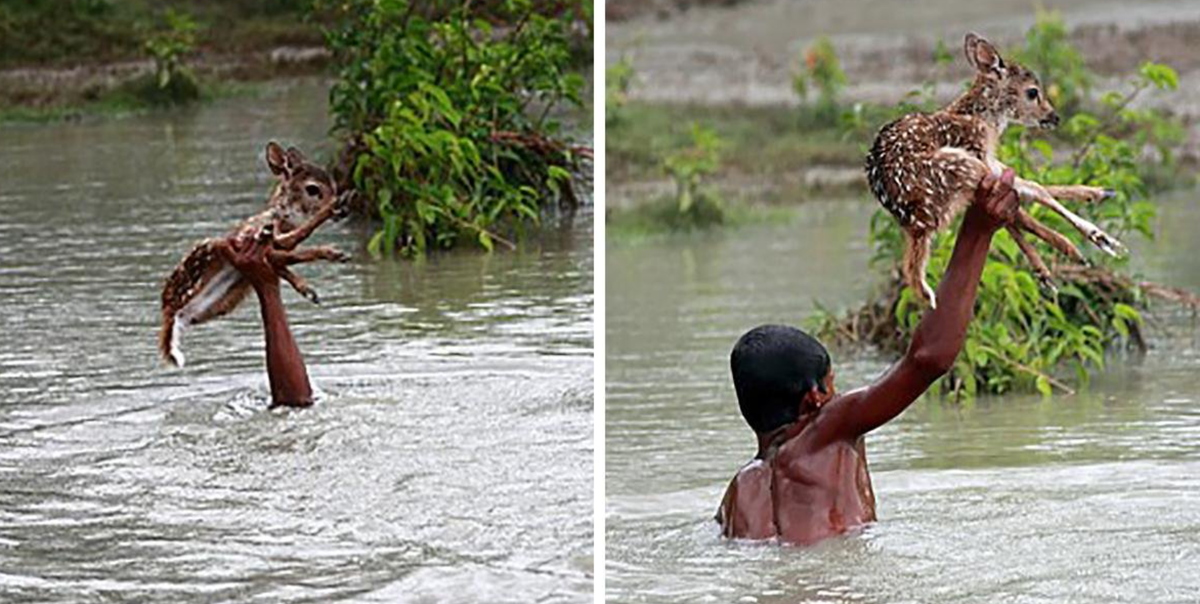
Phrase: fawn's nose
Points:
(1051, 121)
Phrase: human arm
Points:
(940, 335)
(253, 257)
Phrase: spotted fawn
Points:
(203, 286)
(924, 168)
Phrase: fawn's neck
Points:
(981, 101)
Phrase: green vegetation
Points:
(1060, 65)
(821, 69)
(93, 34)
(695, 204)
(617, 79)
(172, 83)
(756, 141)
(448, 121)
(71, 32)
(1024, 337)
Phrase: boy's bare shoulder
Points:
(747, 511)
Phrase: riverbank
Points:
(51, 93)
(735, 76)
(71, 59)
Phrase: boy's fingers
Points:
(1007, 177)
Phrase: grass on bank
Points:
(646, 221)
(766, 141)
(61, 33)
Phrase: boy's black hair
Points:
(773, 367)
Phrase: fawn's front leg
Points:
(336, 209)
(1082, 193)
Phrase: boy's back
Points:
(799, 495)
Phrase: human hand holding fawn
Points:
(996, 202)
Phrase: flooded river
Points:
(1090, 498)
(449, 457)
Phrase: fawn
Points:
(924, 168)
(203, 286)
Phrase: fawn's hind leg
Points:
(1035, 260)
(312, 254)
(299, 284)
(916, 259)
(1056, 240)
(1032, 190)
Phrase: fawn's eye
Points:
(1032, 94)
(312, 190)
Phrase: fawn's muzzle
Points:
(1049, 122)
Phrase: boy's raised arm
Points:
(940, 335)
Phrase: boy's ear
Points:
(277, 159)
(814, 398)
(983, 56)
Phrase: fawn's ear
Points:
(983, 56)
(276, 159)
(295, 158)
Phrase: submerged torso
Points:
(800, 496)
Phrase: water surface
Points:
(449, 457)
(1090, 498)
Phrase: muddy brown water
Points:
(449, 457)
(1090, 498)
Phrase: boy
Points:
(809, 480)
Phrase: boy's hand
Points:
(251, 256)
(996, 202)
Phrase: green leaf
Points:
(1043, 386)
(1162, 76)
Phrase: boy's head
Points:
(779, 372)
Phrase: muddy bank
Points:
(747, 55)
(42, 87)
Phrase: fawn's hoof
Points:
(1107, 244)
(343, 203)
(1047, 284)
(266, 232)
(312, 296)
(1107, 194)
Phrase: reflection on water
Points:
(449, 457)
(1092, 498)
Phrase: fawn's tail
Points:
(916, 258)
(169, 339)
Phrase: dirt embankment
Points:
(40, 87)
(747, 55)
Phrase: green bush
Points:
(173, 83)
(1049, 53)
(1023, 337)
(617, 79)
(449, 120)
(687, 167)
(822, 70)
